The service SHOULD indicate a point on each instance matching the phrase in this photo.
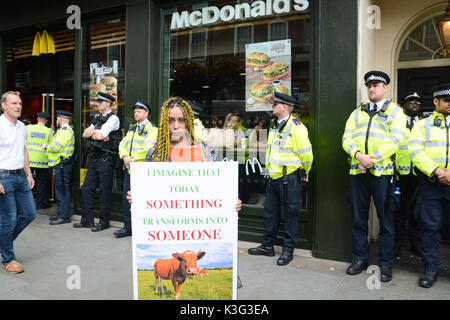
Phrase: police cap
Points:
(43, 115)
(286, 99)
(105, 97)
(142, 105)
(376, 76)
(64, 114)
(441, 91)
(413, 96)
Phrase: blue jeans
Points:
(63, 192)
(17, 211)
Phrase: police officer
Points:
(60, 152)
(429, 147)
(140, 138)
(288, 160)
(407, 210)
(373, 133)
(103, 137)
(38, 137)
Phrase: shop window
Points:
(210, 70)
(278, 30)
(423, 43)
(103, 71)
(198, 44)
(243, 35)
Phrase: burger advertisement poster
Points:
(267, 69)
(102, 80)
(185, 230)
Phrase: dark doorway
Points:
(47, 73)
(422, 80)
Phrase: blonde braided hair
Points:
(161, 152)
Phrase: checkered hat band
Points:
(141, 105)
(412, 96)
(442, 93)
(372, 78)
(103, 98)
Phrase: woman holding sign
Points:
(176, 142)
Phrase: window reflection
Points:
(207, 66)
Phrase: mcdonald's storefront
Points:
(150, 50)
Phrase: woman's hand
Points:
(239, 205)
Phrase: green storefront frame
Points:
(333, 60)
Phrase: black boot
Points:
(262, 251)
(357, 267)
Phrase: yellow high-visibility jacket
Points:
(62, 145)
(37, 135)
(380, 135)
(136, 144)
(289, 148)
(429, 144)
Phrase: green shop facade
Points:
(150, 50)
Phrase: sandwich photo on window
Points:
(275, 71)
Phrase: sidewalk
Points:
(105, 263)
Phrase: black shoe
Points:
(100, 226)
(357, 267)
(385, 274)
(262, 251)
(122, 233)
(285, 258)
(427, 280)
(53, 218)
(82, 225)
(59, 221)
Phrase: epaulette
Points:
(64, 128)
(425, 115)
(296, 121)
(364, 106)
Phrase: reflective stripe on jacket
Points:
(136, 144)
(289, 148)
(381, 135)
(37, 135)
(429, 144)
(61, 145)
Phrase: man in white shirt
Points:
(103, 137)
(17, 208)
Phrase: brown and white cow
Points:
(176, 269)
(171, 269)
(201, 272)
(191, 260)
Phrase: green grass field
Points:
(217, 285)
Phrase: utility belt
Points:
(65, 161)
(422, 175)
(300, 173)
(103, 153)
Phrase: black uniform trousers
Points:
(362, 187)
(408, 211)
(435, 198)
(274, 212)
(42, 187)
(126, 206)
(100, 173)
